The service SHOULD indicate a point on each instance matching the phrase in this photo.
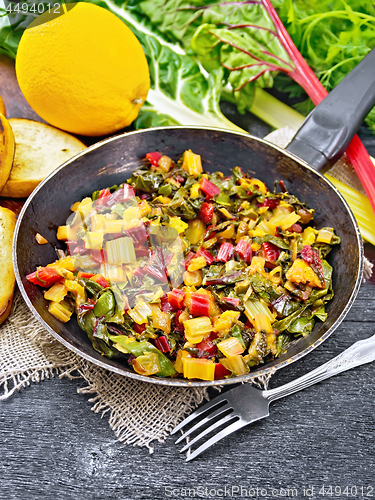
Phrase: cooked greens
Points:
(181, 272)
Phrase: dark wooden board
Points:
(54, 447)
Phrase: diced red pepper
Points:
(100, 280)
(207, 255)
(145, 196)
(139, 272)
(156, 271)
(271, 251)
(209, 188)
(206, 212)
(162, 344)
(45, 276)
(190, 256)
(141, 250)
(176, 298)
(128, 192)
(85, 275)
(80, 250)
(208, 346)
(177, 325)
(153, 158)
(103, 197)
(221, 371)
(200, 304)
(295, 228)
(270, 203)
(165, 306)
(225, 252)
(139, 328)
(243, 249)
(232, 300)
(137, 234)
(121, 195)
(71, 246)
(104, 193)
(98, 256)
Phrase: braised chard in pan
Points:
(193, 274)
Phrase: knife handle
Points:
(360, 353)
(330, 127)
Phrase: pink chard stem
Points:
(307, 79)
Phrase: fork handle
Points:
(360, 353)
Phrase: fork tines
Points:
(218, 407)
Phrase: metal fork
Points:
(244, 404)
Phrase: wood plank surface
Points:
(54, 447)
(14, 101)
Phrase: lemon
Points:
(84, 71)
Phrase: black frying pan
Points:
(322, 138)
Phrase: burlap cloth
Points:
(138, 413)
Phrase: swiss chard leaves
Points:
(264, 287)
(146, 181)
(279, 242)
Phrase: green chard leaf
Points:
(332, 35)
(321, 314)
(118, 209)
(302, 326)
(279, 242)
(264, 287)
(285, 324)
(146, 180)
(140, 348)
(281, 342)
(237, 36)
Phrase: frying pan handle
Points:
(329, 128)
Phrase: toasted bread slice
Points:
(7, 279)
(6, 148)
(40, 149)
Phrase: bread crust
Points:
(39, 150)
(7, 278)
(7, 146)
